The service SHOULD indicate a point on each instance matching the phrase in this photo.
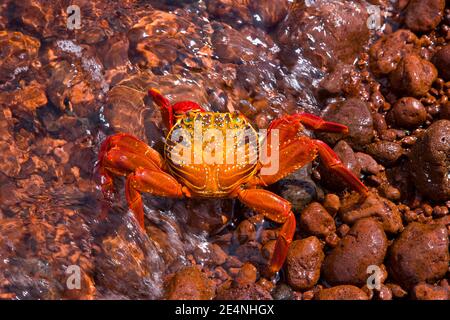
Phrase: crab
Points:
(147, 171)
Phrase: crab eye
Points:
(187, 120)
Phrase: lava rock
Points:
(163, 39)
(385, 152)
(388, 51)
(332, 203)
(247, 274)
(234, 12)
(230, 45)
(124, 259)
(248, 292)
(408, 113)
(420, 254)
(374, 206)
(425, 291)
(368, 164)
(269, 12)
(282, 292)
(442, 62)
(424, 15)
(344, 292)
(245, 231)
(189, 284)
(339, 26)
(298, 188)
(430, 161)
(445, 111)
(17, 53)
(342, 80)
(303, 262)
(218, 256)
(413, 76)
(355, 114)
(316, 221)
(364, 245)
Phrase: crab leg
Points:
(156, 183)
(292, 155)
(331, 160)
(278, 210)
(311, 121)
(294, 151)
(170, 111)
(125, 141)
(125, 155)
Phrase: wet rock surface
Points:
(442, 62)
(355, 114)
(425, 15)
(246, 292)
(315, 220)
(408, 113)
(63, 91)
(303, 263)
(430, 161)
(426, 291)
(413, 76)
(374, 206)
(189, 284)
(344, 292)
(327, 32)
(364, 245)
(419, 254)
(389, 50)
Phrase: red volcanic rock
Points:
(424, 15)
(162, 39)
(413, 76)
(189, 284)
(388, 51)
(425, 291)
(430, 161)
(245, 231)
(355, 114)
(364, 245)
(303, 263)
(344, 292)
(17, 52)
(408, 113)
(374, 206)
(247, 274)
(442, 62)
(420, 254)
(270, 12)
(247, 292)
(234, 12)
(230, 45)
(316, 221)
(385, 152)
(326, 32)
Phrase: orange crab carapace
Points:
(146, 170)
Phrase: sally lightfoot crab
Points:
(207, 171)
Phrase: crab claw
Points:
(310, 121)
(170, 112)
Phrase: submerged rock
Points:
(324, 31)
